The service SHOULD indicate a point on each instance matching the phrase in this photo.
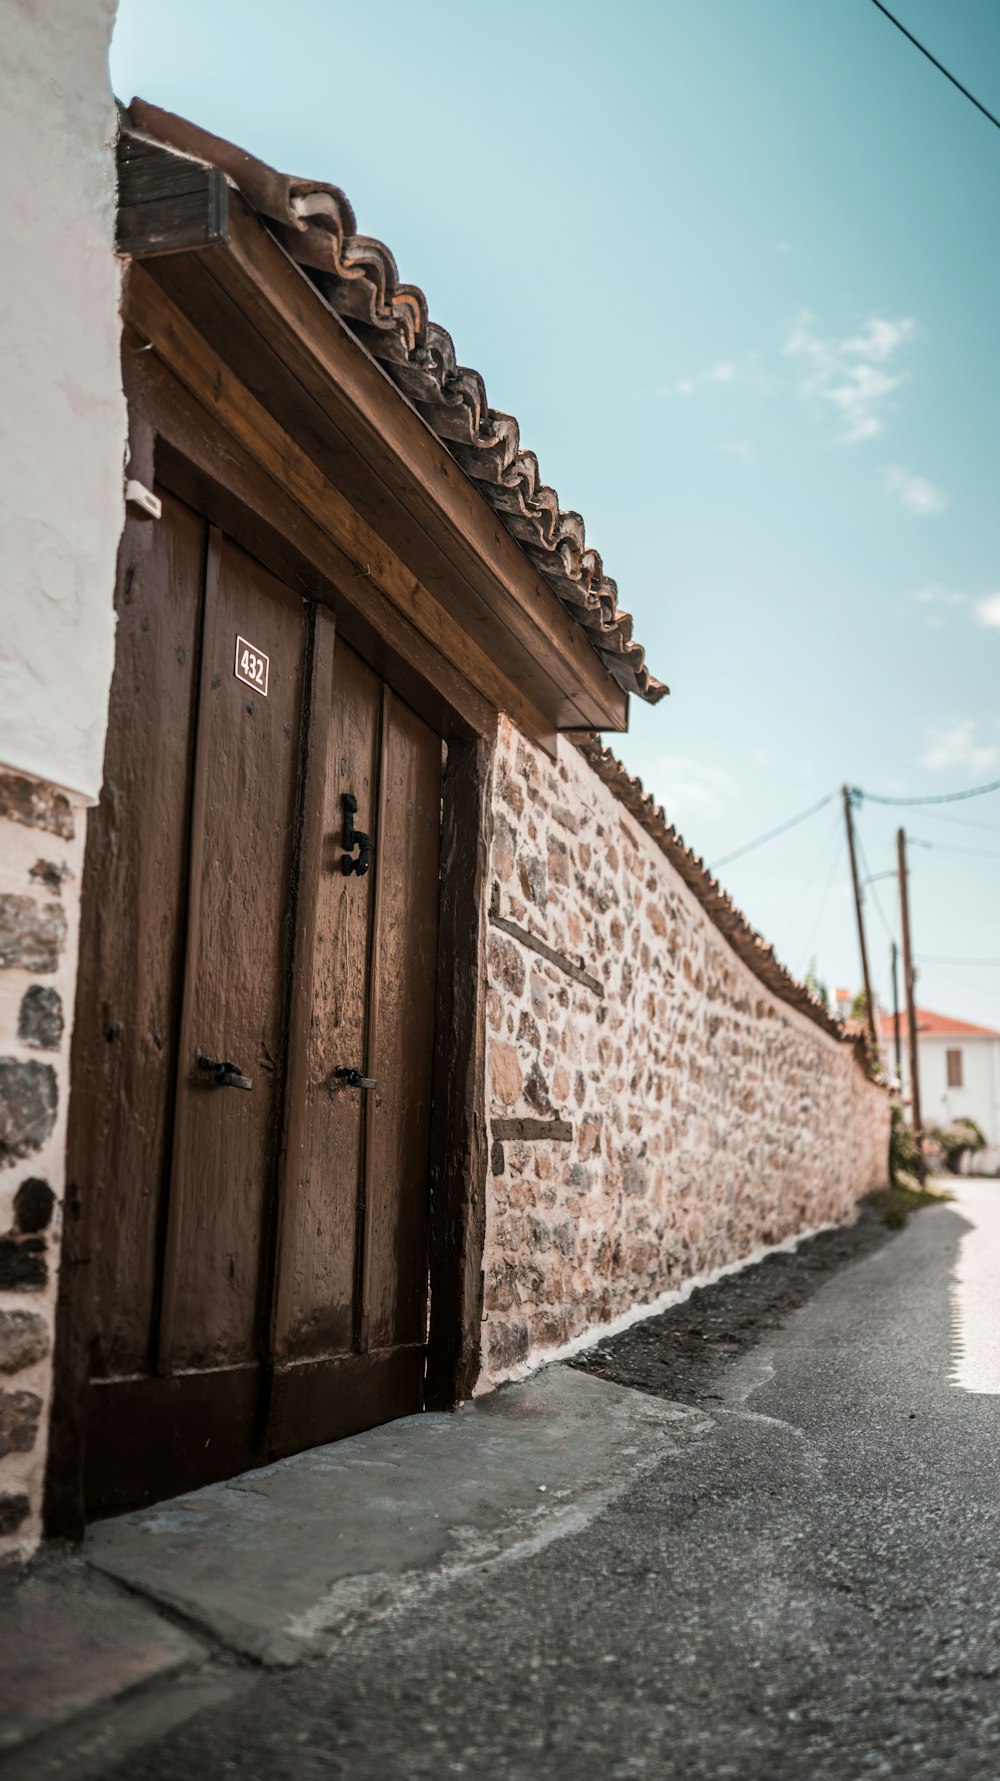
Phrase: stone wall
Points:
(41, 858)
(657, 1112)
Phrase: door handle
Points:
(354, 838)
(353, 1078)
(224, 1075)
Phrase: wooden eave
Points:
(253, 340)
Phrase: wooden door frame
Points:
(175, 442)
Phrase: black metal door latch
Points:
(353, 1078)
(224, 1075)
(354, 838)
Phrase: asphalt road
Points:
(810, 1590)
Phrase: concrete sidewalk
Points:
(164, 1608)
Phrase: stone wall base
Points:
(42, 831)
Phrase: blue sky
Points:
(733, 264)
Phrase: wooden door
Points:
(258, 1224)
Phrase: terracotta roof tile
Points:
(358, 277)
(936, 1026)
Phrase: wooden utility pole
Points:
(908, 979)
(866, 974)
(895, 1011)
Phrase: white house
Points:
(959, 1069)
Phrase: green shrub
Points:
(906, 1164)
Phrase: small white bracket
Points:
(146, 504)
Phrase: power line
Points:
(802, 900)
(938, 65)
(982, 853)
(772, 834)
(859, 796)
(974, 791)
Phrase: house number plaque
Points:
(252, 665)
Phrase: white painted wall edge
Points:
(545, 1357)
(62, 407)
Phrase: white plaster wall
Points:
(979, 1096)
(62, 412)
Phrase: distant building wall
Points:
(62, 447)
(979, 1096)
(699, 1115)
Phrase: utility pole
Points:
(895, 1012)
(908, 979)
(866, 974)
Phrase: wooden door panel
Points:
(260, 1256)
(132, 932)
(243, 826)
(154, 1438)
(401, 1035)
(321, 1176)
(315, 1401)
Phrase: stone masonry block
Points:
(32, 934)
(34, 1204)
(23, 1264)
(20, 1413)
(29, 1096)
(24, 1340)
(14, 1510)
(40, 1020)
(36, 805)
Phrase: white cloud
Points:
(746, 371)
(988, 611)
(852, 374)
(879, 338)
(723, 371)
(691, 788)
(936, 595)
(959, 747)
(938, 601)
(914, 493)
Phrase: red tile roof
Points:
(357, 275)
(936, 1026)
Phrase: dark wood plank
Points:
(325, 1400)
(127, 986)
(458, 1141)
(532, 942)
(321, 1172)
(167, 202)
(559, 1129)
(401, 1030)
(131, 940)
(242, 837)
(153, 1438)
